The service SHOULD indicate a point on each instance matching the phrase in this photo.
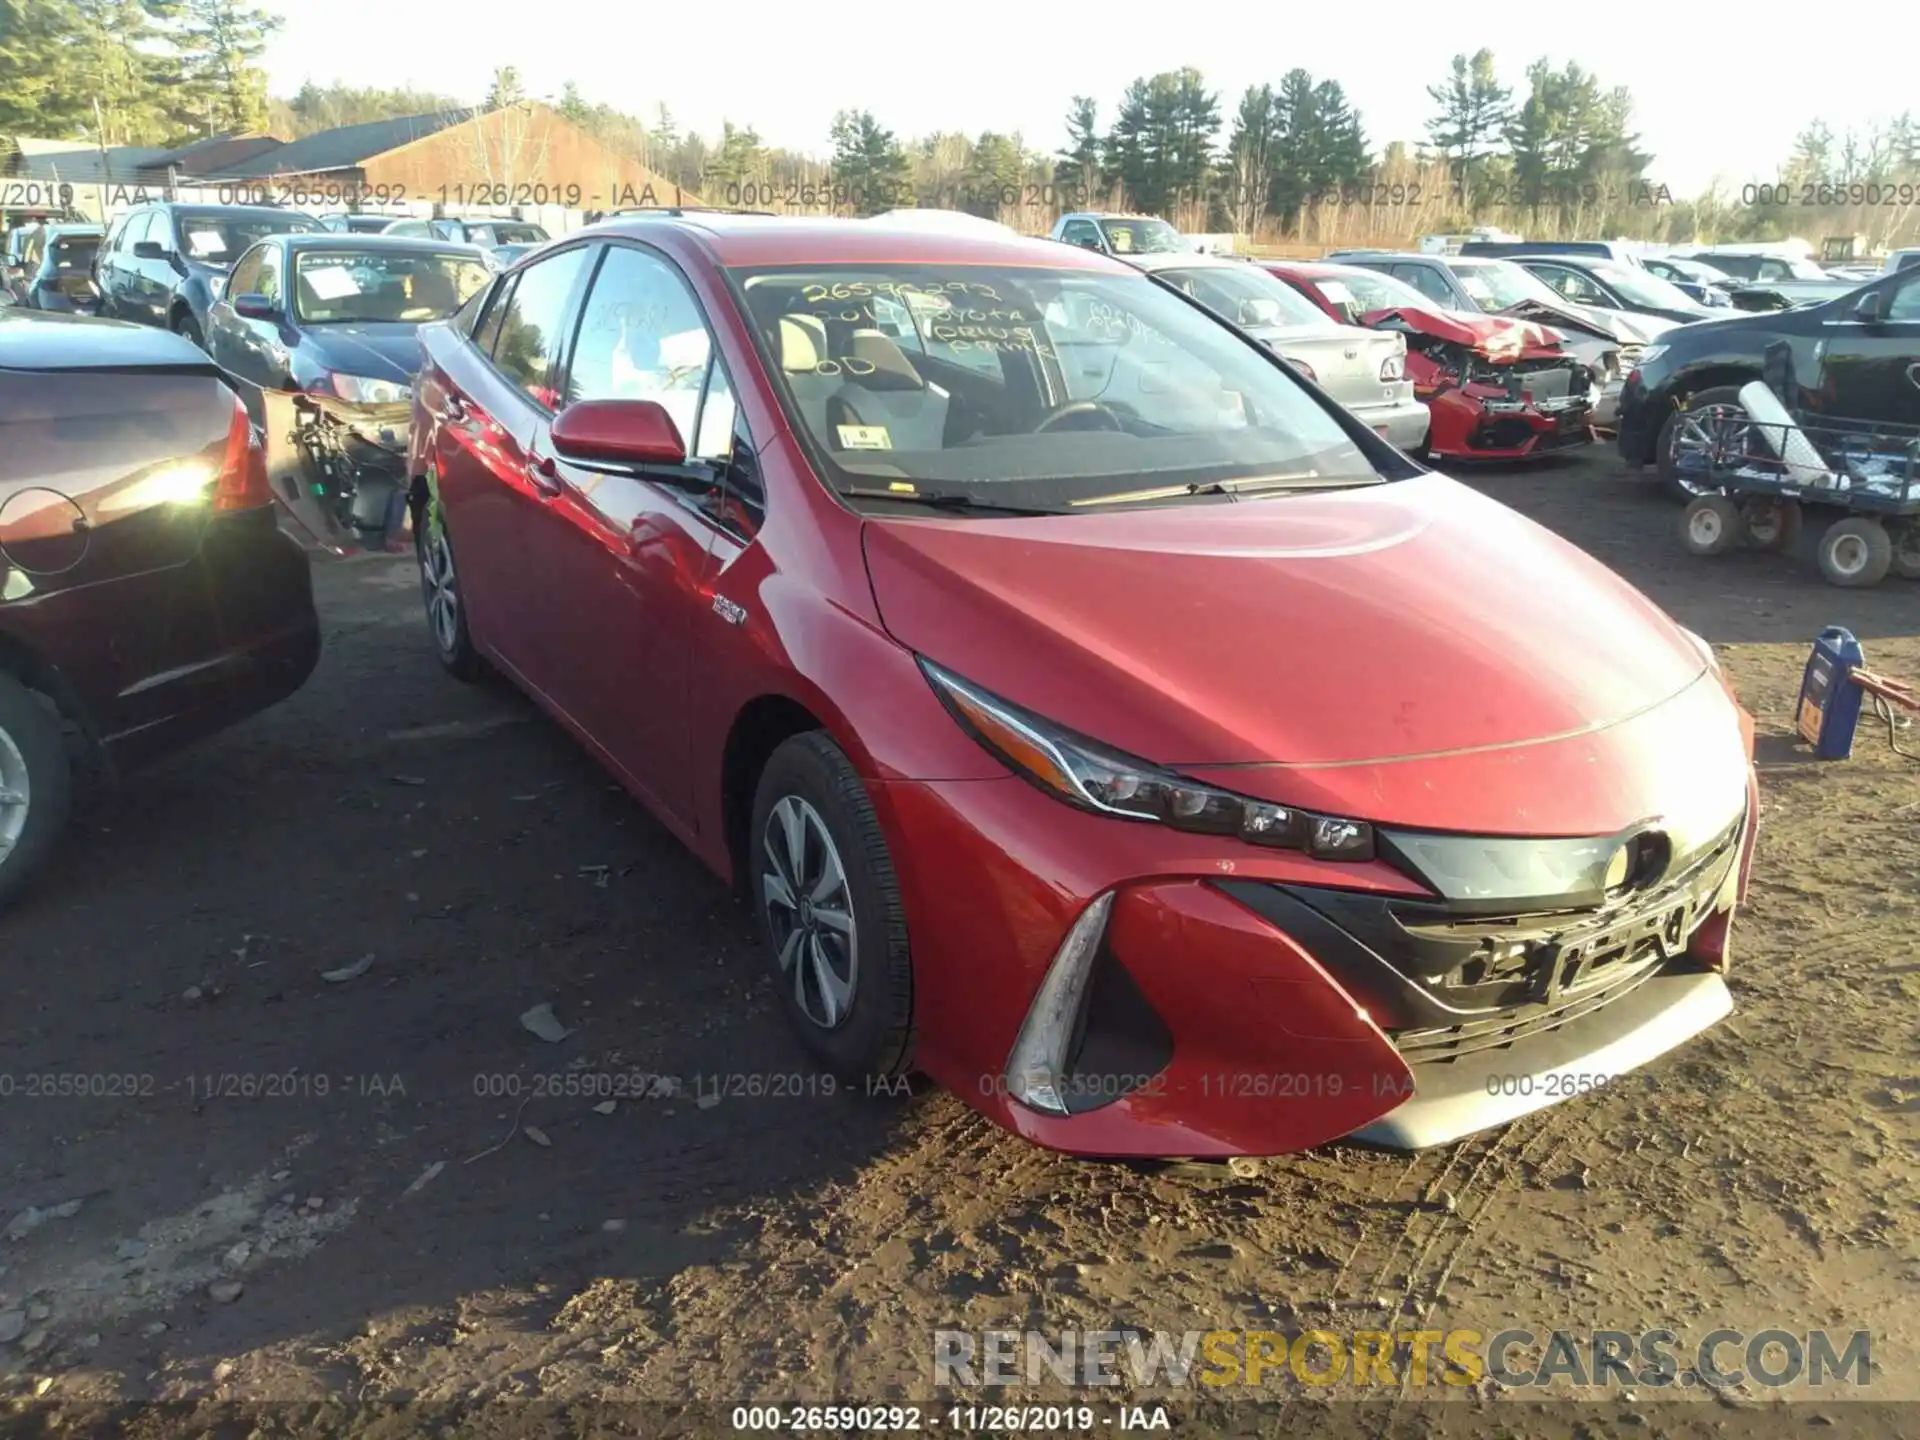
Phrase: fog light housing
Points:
(1038, 1060)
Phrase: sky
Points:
(1712, 101)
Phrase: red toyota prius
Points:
(1099, 719)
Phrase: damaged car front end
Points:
(1495, 393)
(320, 335)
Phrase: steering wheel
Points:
(1074, 409)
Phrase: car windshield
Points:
(1143, 237)
(1644, 288)
(334, 287)
(368, 224)
(517, 234)
(73, 252)
(1694, 270)
(1497, 284)
(1034, 387)
(1361, 292)
(214, 238)
(1245, 295)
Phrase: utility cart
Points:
(1765, 466)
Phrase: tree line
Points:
(1557, 154)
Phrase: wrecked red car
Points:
(1496, 388)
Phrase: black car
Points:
(1608, 285)
(317, 333)
(1856, 357)
(164, 264)
(148, 596)
(57, 272)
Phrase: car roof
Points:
(364, 244)
(1312, 269)
(754, 240)
(216, 209)
(1182, 259)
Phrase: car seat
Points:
(882, 387)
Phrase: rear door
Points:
(490, 404)
(1872, 372)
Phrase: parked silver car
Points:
(1364, 370)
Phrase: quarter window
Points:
(533, 323)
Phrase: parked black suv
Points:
(165, 264)
(1856, 357)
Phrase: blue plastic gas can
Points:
(1829, 708)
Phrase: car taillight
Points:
(242, 482)
(1394, 367)
(1304, 368)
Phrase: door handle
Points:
(544, 474)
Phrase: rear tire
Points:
(1856, 552)
(823, 887)
(1712, 525)
(1676, 485)
(440, 593)
(36, 785)
(1906, 553)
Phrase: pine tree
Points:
(1077, 168)
(868, 160)
(221, 42)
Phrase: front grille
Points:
(1433, 1047)
(1520, 975)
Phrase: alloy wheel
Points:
(809, 910)
(15, 795)
(442, 586)
(1714, 434)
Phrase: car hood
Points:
(1615, 325)
(1494, 336)
(1408, 619)
(378, 351)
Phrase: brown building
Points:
(519, 155)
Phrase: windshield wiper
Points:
(948, 500)
(1251, 485)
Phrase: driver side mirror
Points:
(253, 306)
(149, 250)
(618, 432)
(1872, 308)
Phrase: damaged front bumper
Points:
(339, 469)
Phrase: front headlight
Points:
(365, 390)
(1651, 352)
(1088, 775)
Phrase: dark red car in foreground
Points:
(1496, 388)
(147, 595)
(1098, 718)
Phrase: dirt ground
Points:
(460, 1216)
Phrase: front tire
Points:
(36, 785)
(189, 328)
(1712, 525)
(440, 592)
(1719, 405)
(828, 901)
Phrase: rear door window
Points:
(533, 323)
